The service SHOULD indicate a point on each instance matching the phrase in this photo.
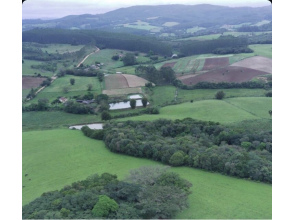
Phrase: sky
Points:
(33, 9)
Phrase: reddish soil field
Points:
(29, 82)
(116, 81)
(226, 74)
(213, 63)
(169, 65)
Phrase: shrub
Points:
(105, 116)
(104, 206)
(219, 95)
(133, 103)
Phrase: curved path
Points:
(97, 49)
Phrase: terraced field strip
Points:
(115, 81)
(213, 63)
(124, 91)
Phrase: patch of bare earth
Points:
(29, 82)
(213, 63)
(227, 74)
(122, 91)
(169, 65)
(135, 81)
(115, 81)
(257, 63)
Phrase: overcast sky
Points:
(60, 8)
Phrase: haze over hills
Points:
(203, 15)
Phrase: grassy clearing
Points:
(79, 88)
(264, 50)
(54, 119)
(170, 24)
(52, 163)
(61, 48)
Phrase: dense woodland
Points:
(198, 144)
(101, 39)
(147, 193)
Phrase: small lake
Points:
(125, 105)
(97, 126)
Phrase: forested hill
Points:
(101, 39)
(203, 15)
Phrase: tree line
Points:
(198, 144)
(147, 193)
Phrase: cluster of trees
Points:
(209, 46)
(248, 28)
(77, 108)
(78, 72)
(224, 85)
(193, 143)
(35, 53)
(234, 50)
(102, 39)
(49, 66)
(165, 75)
(147, 193)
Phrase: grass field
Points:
(143, 26)
(27, 70)
(51, 163)
(194, 29)
(54, 119)
(264, 50)
(223, 111)
(79, 88)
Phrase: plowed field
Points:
(29, 82)
(115, 81)
(213, 63)
(257, 63)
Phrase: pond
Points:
(96, 126)
(136, 96)
(125, 105)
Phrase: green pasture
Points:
(264, 50)
(79, 88)
(61, 48)
(162, 95)
(194, 29)
(54, 119)
(262, 22)
(126, 69)
(238, 57)
(51, 163)
(258, 106)
(29, 71)
(223, 111)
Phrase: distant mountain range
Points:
(178, 17)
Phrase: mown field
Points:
(51, 162)
(79, 88)
(213, 110)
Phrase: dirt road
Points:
(97, 49)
